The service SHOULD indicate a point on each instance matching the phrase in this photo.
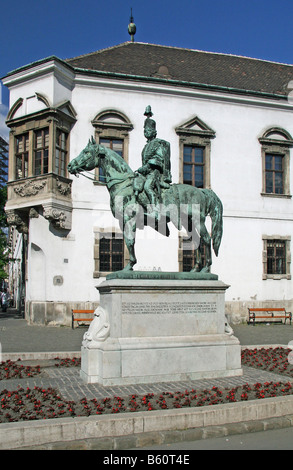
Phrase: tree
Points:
(4, 252)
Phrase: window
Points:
(110, 254)
(39, 141)
(276, 257)
(114, 144)
(193, 165)
(276, 144)
(41, 151)
(38, 153)
(274, 173)
(21, 155)
(112, 130)
(187, 260)
(61, 153)
(195, 152)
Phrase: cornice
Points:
(51, 65)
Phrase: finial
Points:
(148, 111)
(131, 27)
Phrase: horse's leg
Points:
(197, 266)
(132, 257)
(205, 237)
(129, 232)
(189, 223)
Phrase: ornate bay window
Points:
(38, 158)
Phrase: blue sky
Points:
(34, 29)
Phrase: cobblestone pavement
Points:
(71, 386)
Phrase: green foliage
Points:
(4, 252)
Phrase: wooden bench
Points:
(79, 316)
(266, 314)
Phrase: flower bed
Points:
(270, 359)
(11, 369)
(14, 369)
(38, 403)
(68, 362)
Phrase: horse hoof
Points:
(195, 269)
(206, 269)
(129, 267)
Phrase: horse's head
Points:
(87, 159)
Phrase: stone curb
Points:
(147, 439)
(139, 429)
(41, 356)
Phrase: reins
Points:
(88, 177)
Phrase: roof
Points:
(189, 67)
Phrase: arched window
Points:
(112, 130)
(276, 143)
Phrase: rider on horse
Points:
(155, 164)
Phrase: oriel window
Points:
(41, 151)
(61, 153)
(21, 155)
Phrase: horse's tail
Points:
(215, 210)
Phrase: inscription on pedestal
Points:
(168, 307)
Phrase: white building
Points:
(229, 122)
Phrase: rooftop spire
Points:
(131, 27)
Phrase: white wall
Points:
(236, 176)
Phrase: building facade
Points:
(229, 123)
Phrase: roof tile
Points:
(189, 66)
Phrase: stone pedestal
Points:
(156, 330)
